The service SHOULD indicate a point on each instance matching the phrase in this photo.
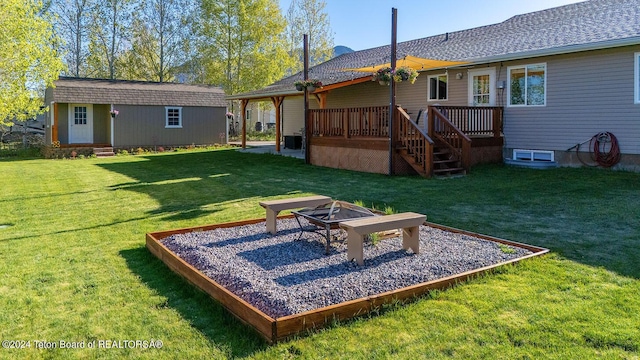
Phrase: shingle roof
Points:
(98, 91)
(574, 27)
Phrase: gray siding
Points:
(145, 126)
(63, 123)
(587, 93)
(101, 124)
(411, 96)
(293, 114)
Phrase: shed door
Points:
(80, 124)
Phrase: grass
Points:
(73, 265)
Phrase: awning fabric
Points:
(413, 62)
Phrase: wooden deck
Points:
(453, 139)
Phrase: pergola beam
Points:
(277, 101)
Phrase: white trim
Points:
(636, 78)
(491, 71)
(436, 76)
(89, 129)
(525, 66)
(166, 117)
(532, 155)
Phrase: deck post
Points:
(243, 106)
(277, 103)
(497, 122)
(307, 133)
(392, 105)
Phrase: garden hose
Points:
(603, 148)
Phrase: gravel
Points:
(281, 275)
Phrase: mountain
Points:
(339, 50)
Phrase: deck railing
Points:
(475, 120)
(372, 121)
(440, 128)
(411, 138)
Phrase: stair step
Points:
(103, 152)
(102, 149)
(446, 161)
(449, 171)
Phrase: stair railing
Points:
(415, 141)
(440, 128)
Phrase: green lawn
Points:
(73, 265)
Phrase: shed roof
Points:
(100, 91)
(589, 25)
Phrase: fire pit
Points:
(328, 216)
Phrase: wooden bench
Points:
(273, 207)
(357, 229)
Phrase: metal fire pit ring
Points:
(328, 216)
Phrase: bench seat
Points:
(409, 222)
(273, 207)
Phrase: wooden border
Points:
(274, 330)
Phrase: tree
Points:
(28, 62)
(309, 17)
(110, 21)
(72, 22)
(159, 36)
(240, 43)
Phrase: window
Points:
(636, 96)
(438, 87)
(527, 85)
(80, 115)
(174, 117)
(532, 155)
(248, 114)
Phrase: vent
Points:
(533, 155)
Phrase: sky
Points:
(364, 24)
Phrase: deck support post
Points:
(243, 107)
(392, 105)
(307, 130)
(277, 103)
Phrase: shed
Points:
(122, 114)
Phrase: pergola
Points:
(277, 96)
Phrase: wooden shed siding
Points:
(587, 93)
(145, 126)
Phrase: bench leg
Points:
(271, 220)
(354, 247)
(411, 239)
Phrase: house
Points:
(93, 113)
(538, 88)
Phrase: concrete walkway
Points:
(268, 147)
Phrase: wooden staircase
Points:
(445, 162)
(103, 152)
(441, 153)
